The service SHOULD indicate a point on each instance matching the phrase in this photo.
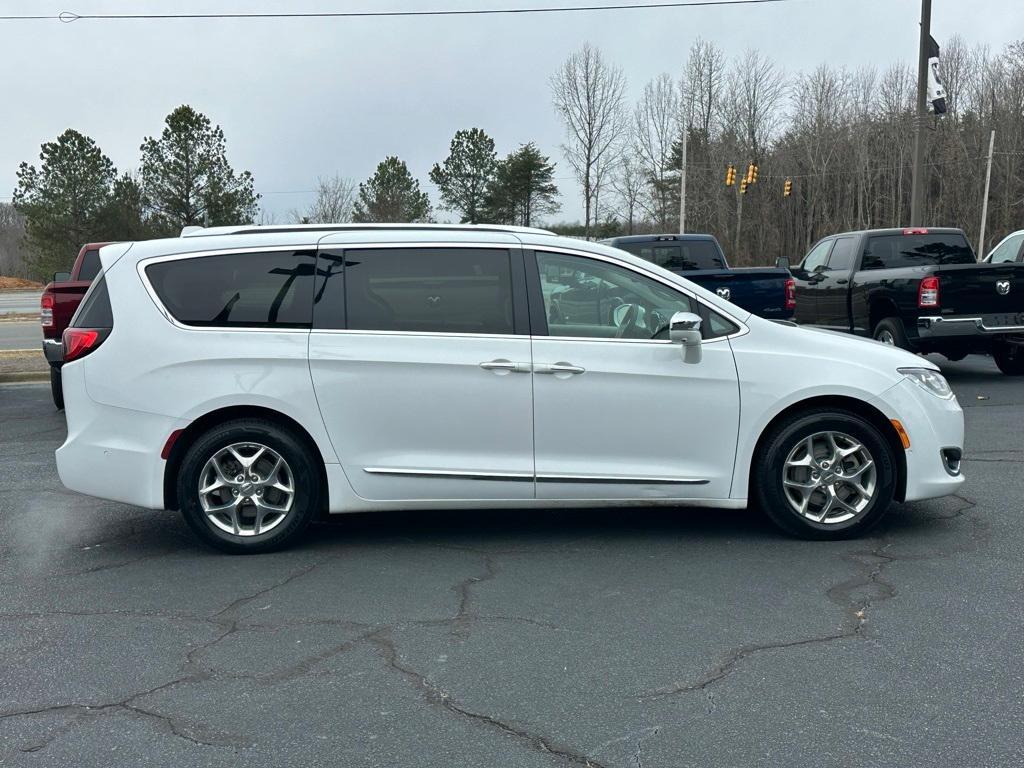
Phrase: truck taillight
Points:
(46, 310)
(928, 293)
(790, 293)
(79, 342)
(915, 231)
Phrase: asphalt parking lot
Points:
(613, 638)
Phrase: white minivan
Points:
(256, 377)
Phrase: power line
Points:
(69, 16)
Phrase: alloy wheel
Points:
(829, 478)
(246, 489)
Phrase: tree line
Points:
(843, 138)
(473, 182)
(76, 195)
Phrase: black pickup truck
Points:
(920, 289)
(765, 291)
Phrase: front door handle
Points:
(556, 368)
(502, 366)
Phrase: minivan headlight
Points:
(929, 380)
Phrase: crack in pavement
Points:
(463, 615)
(192, 671)
(382, 641)
(854, 624)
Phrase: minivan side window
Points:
(271, 289)
(593, 299)
(429, 290)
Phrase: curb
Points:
(17, 352)
(25, 377)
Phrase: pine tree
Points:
(391, 195)
(463, 177)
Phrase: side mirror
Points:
(782, 262)
(61, 277)
(684, 328)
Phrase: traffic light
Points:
(730, 175)
(743, 187)
(787, 188)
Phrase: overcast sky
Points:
(302, 98)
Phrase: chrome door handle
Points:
(502, 365)
(556, 368)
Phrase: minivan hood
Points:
(842, 347)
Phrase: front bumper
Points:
(938, 327)
(936, 431)
(53, 351)
(112, 453)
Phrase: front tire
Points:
(890, 331)
(1009, 358)
(56, 388)
(249, 486)
(825, 474)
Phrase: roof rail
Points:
(252, 229)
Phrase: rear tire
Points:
(848, 483)
(890, 331)
(56, 388)
(1009, 358)
(249, 508)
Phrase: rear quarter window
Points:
(268, 289)
(894, 251)
(94, 311)
(90, 266)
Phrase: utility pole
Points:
(739, 222)
(984, 200)
(917, 182)
(682, 185)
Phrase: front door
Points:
(834, 288)
(806, 279)
(617, 412)
(420, 359)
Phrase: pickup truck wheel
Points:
(1009, 357)
(56, 388)
(890, 331)
(249, 486)
(825, 474)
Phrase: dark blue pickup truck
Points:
(765, 291)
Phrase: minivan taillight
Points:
(79, 342)
(928, 293)
(790, 293)
(46, 310)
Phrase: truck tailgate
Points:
(992, 291)
(761, 290)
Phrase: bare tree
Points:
(332, 203)
(12, 236)
(588, 94)
(702, 85)
(629, 184)
(756, 91)
(656, 127)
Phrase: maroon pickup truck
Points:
(59, 301)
